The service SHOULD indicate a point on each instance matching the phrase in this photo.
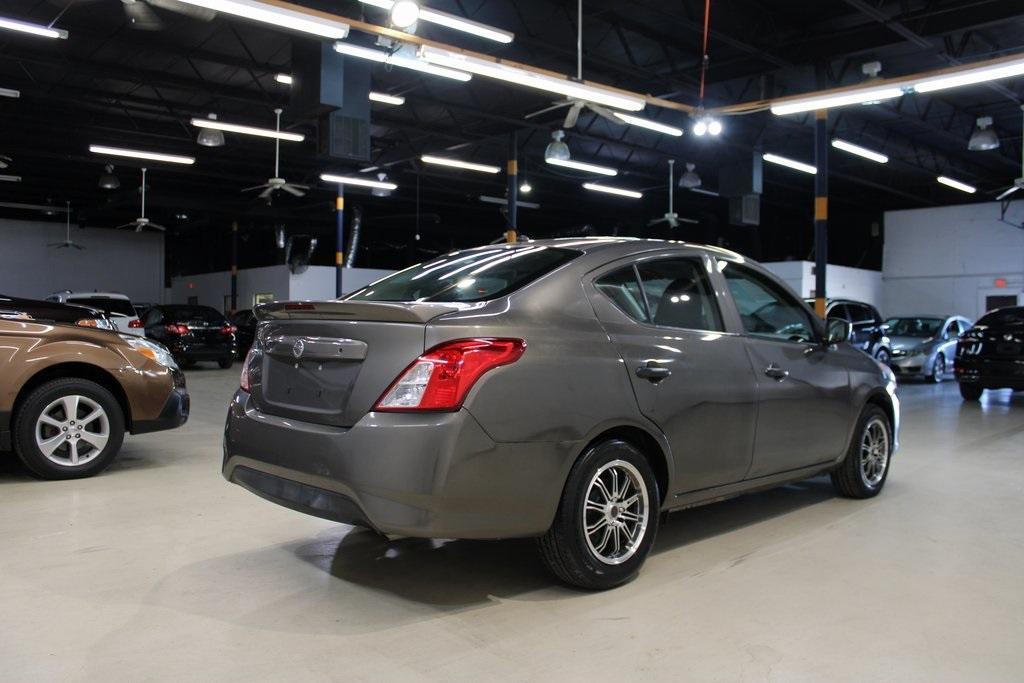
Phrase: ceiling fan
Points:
(142, 222)
(671, 217)
(68, 243)
(277, 183)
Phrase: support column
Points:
(234, 267)
(339, 250)
(512, 234)
(820, 209)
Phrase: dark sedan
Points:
(991, 354)
(570, 390)
(245, 321)
(192, 333)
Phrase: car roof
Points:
(621, 246)
(49, 310)
(104, 295)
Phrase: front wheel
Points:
(863, 472)
(939, 369)
(606, 520)
(882, 355)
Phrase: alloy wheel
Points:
(615, 512)
(874, 452)
(72, 430)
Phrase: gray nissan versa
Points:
(568, 390)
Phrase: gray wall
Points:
(113, 260)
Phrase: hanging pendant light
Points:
(689, 179)
(984, 137)
(211, 137)
(109, 181)
(557, 149)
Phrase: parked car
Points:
(192, 333)
(569, 390)
(868, 327)
(991, 354)
(141, 308)
(245, 321)
(71, 387)
(118, 307)
(924, 346)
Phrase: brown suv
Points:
(70, 387)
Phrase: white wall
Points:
(947, 259)
(113, 260)
(842, 282)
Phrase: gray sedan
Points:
(569, 390)
(924, 345)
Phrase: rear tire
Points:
(226, 363)
(970, 392)
(865, 468)
(882, 355)
(611, 491)
(94, 423)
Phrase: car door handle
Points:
(653, 372)
(776, 373)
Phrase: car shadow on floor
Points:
(464, 573)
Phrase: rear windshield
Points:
(108, 305)
(477, 275)
(1005, 316)
(187, 314)
(914, 327)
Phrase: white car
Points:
(118, 308)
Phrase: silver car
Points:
(569, 390)
(924, 345)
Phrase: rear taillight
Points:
(175, 328)
(441, 377)
(244, 380)
(228, 329)
(135, 324)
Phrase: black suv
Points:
(192, 333)
(869, 332)
(990, 355)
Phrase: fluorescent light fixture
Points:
(504, 202)
(608, 189)
(797, 105)
(650, 125)
(286, 79)
(957, 185)
(583, 166)
(386, 99)
(558, 84)
(452, 21)
(8, 92)
(791, 163)
(34, 29)
(139, 154)
(455, 163)
(971, 76)
(10, 178)
(1007, 192)
(399, 60)
(361, 182)
(311, 21)
(247, 130)
(859, 151)
(701, 190)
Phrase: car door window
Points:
(679, 294)
(840, 311)
(858, 314)
(953, 331)
(765, 308)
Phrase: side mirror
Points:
(838, 331)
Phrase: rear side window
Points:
(623, 288)
(106, 304)
(674, 293)
(476, 275)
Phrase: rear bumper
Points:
(432, 475)
(199, 352)
(991, 373)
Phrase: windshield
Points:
(1005, 316)
(914, 327)
(107, 304)
(476, 275)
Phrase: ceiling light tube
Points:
(1007, 193)
(309, 21)
(956, 184)
(247, 130)
(139, 154)
(608, 189)
(561, 85)
(791, 163)
(456, 163)
(33, 29)
(971, 76)
(10, 178)
(386, 99)
(583, 166)
(797, 105)
(286, 79)
(8, 92)
(859, 151)
(399, 60)
(648, 124)
(452, 21)
(701, 190)
(361, 182)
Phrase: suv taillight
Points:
(175, 328)
(135, 324)
(441, 377)
(228, 329)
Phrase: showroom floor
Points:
(161, 568)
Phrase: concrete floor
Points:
(159, 569)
